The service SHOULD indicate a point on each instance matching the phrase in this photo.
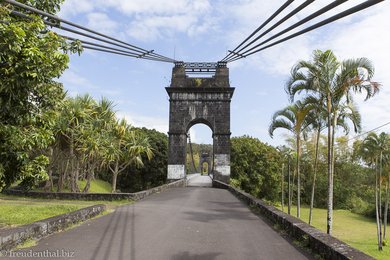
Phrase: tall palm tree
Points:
(317, 121)
(333, 82)
(293, 119)
(372, 148)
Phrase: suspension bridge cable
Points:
(284, 6)
(120, 53)
(56, 18)
(350, 11)
(135, 53)
(303, 21)
(285, 18)
(372, 130)
(87, 44)
(104, 48)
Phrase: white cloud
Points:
(101, 23)
(166, 7)
(158, 123)
(145, 20)
(73, 7)
(71, 79)
(148, 28)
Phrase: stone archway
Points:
(199, 100)
(205, 163)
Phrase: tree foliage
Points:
(154, 172)
(255, 167)
(31, 58)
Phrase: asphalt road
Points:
(182, 223)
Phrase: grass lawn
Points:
(97, 186)
(15, 211)
(354, 229)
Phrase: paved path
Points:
(181, 223)
(200, 181)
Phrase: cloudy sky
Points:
(203, 30)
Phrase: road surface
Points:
(181, 223)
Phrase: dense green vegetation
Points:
(318, 170)
(255, 167)
(56, 142)
(30, 59)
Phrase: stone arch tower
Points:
(199, 100)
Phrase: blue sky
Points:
(203, 30)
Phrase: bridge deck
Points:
(182, 223)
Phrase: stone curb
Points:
(10, 238)
(323, 244)
(95, 196)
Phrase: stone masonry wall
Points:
(95, 196)
(9, 238)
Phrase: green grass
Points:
(97, 186)
(354, 229)
(26, 244)
(15, 210)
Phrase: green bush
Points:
(255, 167)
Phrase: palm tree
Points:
(372, 147)
(96, 134)
(74, 116)
(125, 147)
(378, 146)
(317, 120)
(293, 118)
(333, 83)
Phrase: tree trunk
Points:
(292, 185)
(289, 185)
(298, 179)
(115, 176)
(49, 182)
(386, 208)
(282, 186)
(62, 177)
(314, 176)
(378, 227)
(380, 198)
(330, 175)
(76, 176)
(90, 175)
(72, 168)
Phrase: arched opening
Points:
(199, 149)
(205, 168)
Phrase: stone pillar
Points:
(222, 157)
(192, 103)
(177, 156)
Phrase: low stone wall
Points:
(10, 238)
(95, 196)
(319, 242)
